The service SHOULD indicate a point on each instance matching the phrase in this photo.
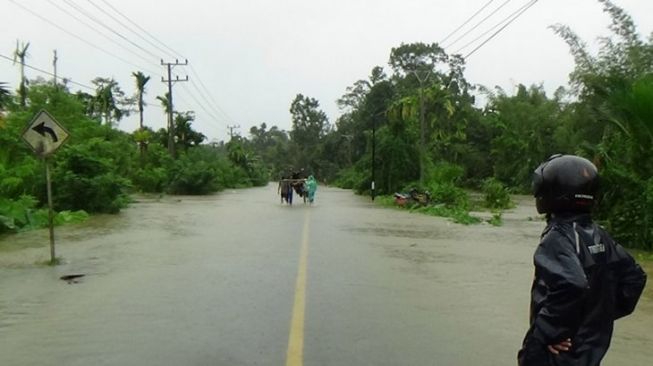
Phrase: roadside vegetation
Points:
(418, 122)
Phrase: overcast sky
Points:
(254, 56)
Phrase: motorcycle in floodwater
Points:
(412, 197)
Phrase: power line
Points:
(196, 101)
(128, 28)
(96, 20)
(493, 28)
(479, 23)
(97, 31)
(467, 21)
(192, 69)
(210, 101)
(502, 28)
(174, 53)
(63, 79)
(78, 37)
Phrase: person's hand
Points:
(563, 346)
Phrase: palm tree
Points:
(141, 80)
(165, 102)
(4, 96)
(20, 54)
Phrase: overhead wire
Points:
(63, 79)
(143, 30)
(533, 2)
(96, 20)
(478, 24)
(210, 121)
(215, 119)
(466, 21)
(211, 101)
(53, 3)
(492, 28)
(110, 54)
(139, 35)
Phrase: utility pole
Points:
(54, 65)
(170, 81)
(422, 123)
(373, 155)
(231, 130)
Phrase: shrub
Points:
(85, 179)
(189, 176)
(496, 194)
(150, 179)
(23, 214)
(449, 195)
(444, 172)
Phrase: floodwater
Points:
(212, 281)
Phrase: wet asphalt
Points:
(213, 281)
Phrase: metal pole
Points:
(373, 154)
(171, 127)
(50, 210)
(54, 64)
(422, 144)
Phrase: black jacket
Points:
(584, 281)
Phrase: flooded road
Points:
(237, 279)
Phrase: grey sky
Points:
(255, 56)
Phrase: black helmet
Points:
(565, 184)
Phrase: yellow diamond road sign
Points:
(44, 134)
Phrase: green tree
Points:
(523, 133)
(613, 89)
(309, 126)
(186, 137)
(109, 104)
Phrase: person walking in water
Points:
(584, 280)
(311, 187)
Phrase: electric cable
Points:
(90, 16)
(80, 38)
(211, 102)
(479, 23)
(63, 79)
(533, 2)
(467, 21)
(139, 35)
(143, 30)
(53, 3)
(493, 28)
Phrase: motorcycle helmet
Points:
(565, 184)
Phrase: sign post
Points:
(45, 135)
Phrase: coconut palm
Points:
(4, 96)
(141, 80)
(20, 54)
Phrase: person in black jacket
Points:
(584, 280)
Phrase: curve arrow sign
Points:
(42, 129)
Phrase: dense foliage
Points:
(417, 124)
(99, 166)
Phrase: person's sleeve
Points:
(561, 271)
(631, 282)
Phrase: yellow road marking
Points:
(295, 354)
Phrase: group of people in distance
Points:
(298, 182)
